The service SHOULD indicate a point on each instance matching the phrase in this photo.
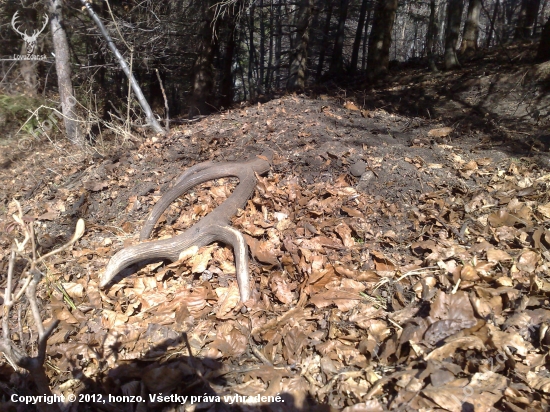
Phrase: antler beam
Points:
(213, 227)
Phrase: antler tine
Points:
(14, 22)
(47, 19)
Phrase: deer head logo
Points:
(30, 40)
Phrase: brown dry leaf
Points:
(381, 262)
(199, 262)
(229, 298)
(231, 342)
(537, 382)
(544, 210)
(497, 255)
(351, 106)
(364, 315)
(449, 398)
(263, 250)
(351, 211)
(344, 300)
(469, 273)
(361, 276)
(372, 405)
(282, 287)
(528, 261)
(451, 346)
(74, 290)
(294, 342)
(112, 320)
(452, 306)
(509, 339)
(440, 132)
(252, 229)
(471, 165)
(344, 232)
(503, 218)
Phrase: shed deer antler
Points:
(30, 40)
(213, 227)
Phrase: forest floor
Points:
(399, 253)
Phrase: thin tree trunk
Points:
(28, 72)
(471, 27)
(135, 86)
(269, 71)
(324, 43)
(527, 19)
(336, 62)
(298, 62)
(251, 53)
(431, 36)
(366, 37)
(358, 35)
(262, 45)
(63, 69)
(492, 26)
(202, 101)
(278, 45)
(380, 38)
(543, 53)
(452, 31)
(227, 81)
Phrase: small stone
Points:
(357, 169)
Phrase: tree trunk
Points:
(63, 69)
(358, 35)
(431, 36)
(226, 83)
(544, 45)
(324, 43)
(336, 62)
(28, 72)
(526, 19)
(380, 38)
(492, 26)
(454, 17)
(471, 27)
(366, 38)
(251, 53)
(202, 101)
(262, 45)
(278, 46)
(268, 75)
(298, 62)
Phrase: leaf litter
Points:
(421, 284)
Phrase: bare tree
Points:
(492, 24)
(324, 42)
(431, 35)
(203, 71)
(63, 69)
(527, 18)
(471, 27)
(365, 5)
(298, 62)
(380, 38)
(151, 119)
(454, 17)
(336, 61)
